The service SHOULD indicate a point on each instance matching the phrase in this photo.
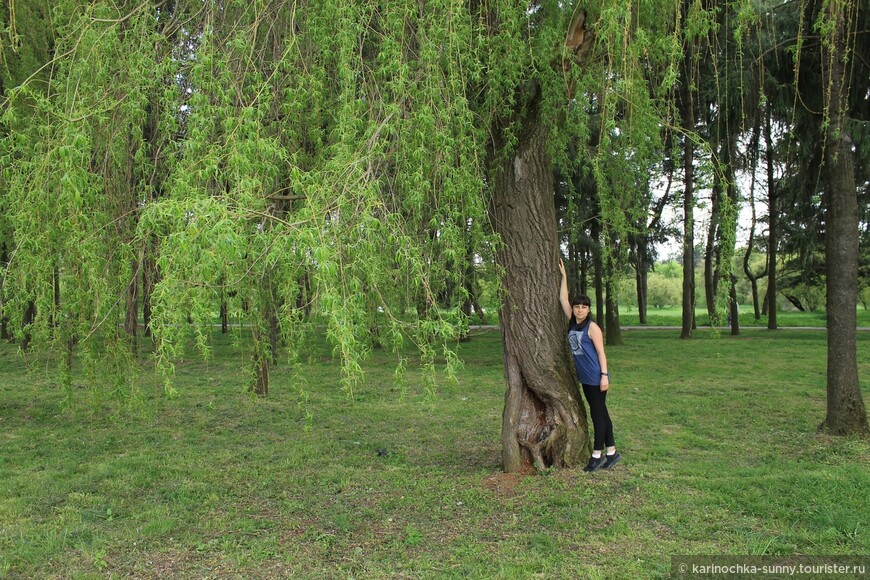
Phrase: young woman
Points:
(587, 346)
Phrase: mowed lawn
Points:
(719, 437)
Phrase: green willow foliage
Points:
(270, 154)
(327, 142)
(68, 182)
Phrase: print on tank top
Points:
(574, 340)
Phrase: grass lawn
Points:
(718, 434)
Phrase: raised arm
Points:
(563, 291)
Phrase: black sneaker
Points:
(611, 460)
(595, 463)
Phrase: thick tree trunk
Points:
(846, 411)
(544, 421)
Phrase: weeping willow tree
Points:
(285, 162)
(252, 153)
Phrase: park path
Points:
(721, 328)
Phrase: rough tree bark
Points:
(544, 421)
(846, 412)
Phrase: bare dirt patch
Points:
(504, 485)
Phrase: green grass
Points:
(673, 317)
(719, 437)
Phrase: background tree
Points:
(751, 243)
(817, 203)
(835, 20)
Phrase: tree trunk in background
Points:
(582, 258)
(225, 317)
(149, 277)
(151, 139)
(261, 357)
(640, 244)
(471, 304)
(598, 274)
(613, 336)
(772, 225)
(55, 280)
(846, 412)
(733, 309)
(750, 244)
(28, 318)
(4, 321)
(274, 329)
(303, 302)
(753, 282)
(711, 265)
(131, 319)
(687, 113)
(728, 225)
(642, 286)
(544, 420)
(260, 383)
(4, 258)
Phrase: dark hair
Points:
(581, 300)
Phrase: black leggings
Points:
(600, 417)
